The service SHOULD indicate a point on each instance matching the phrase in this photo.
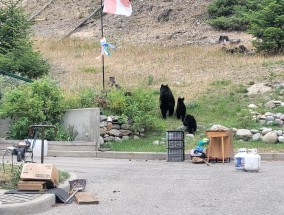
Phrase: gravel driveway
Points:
(160, 187)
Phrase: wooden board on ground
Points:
(86, 198)
(32, 185)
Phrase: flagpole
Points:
(103, 59)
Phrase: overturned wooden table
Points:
(220, 144)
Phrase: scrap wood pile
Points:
(44, 178)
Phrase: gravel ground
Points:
(160, 187)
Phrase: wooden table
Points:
(220, 144)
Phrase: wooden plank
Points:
(86, 198)
(42, 9)
(32, 185)
(81, 23)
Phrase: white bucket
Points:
(37, 148)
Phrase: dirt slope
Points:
(152, 21)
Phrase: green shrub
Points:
(16, 50)
(229, 23)
(61, 134)
(32, 104)
(267, 27)
(141, 107)
(231, 14)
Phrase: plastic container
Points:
(178, 144)
(239, 159)
(175, 135)
(175, 154)
(252, 160)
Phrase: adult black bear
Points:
(190, 123)
(181, 109)
(167, 101)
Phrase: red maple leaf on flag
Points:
(126, 3)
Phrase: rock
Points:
(268, 114)
(282, 117)
(125, 126)
(281, 139)
(262, 122)
(269, 118)
(125, 138)
(109, 126)
(103, 118)
(244, 134)
(252, 106)
(109, 139)
(103, 124)
(269, 105)
(258, 89)
(189, 135)
(279, 132)
(114, 132)
(115, 126)
(156, 142)
(125, 132)
(135, 137)
(266, 130)
(270, 137)
(254, 131)
(103, 131)
(279, 122)
(117, 139)
(218, 127)
(101, 140)
(256, 137)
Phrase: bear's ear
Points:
(182, 98)
(162, 85)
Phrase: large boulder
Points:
(270, 137)
(244, 134)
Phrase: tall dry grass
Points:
(188, 70)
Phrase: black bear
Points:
(190, 123)
(167, 101)
(181, 109)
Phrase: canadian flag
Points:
(119, 7)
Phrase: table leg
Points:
(223, 153)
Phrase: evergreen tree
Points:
(267, 26)
(16, 49)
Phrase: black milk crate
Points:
(176, 154)
(175, 144)
(174, 135)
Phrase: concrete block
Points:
(86, 122)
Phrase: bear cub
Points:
(190, 124)
(167, 101)
(181, 109)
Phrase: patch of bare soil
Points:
(166, 22)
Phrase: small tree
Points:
(33, 103)
(16, 50)
(267, 25)
(231, 14)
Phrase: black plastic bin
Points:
(175, 145)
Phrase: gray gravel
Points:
(160, 187)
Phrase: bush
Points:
(231, 14)
(32, 104)
(267, 27)
(84, 98)
(141, 107)
(229, 23)
(16, 51)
